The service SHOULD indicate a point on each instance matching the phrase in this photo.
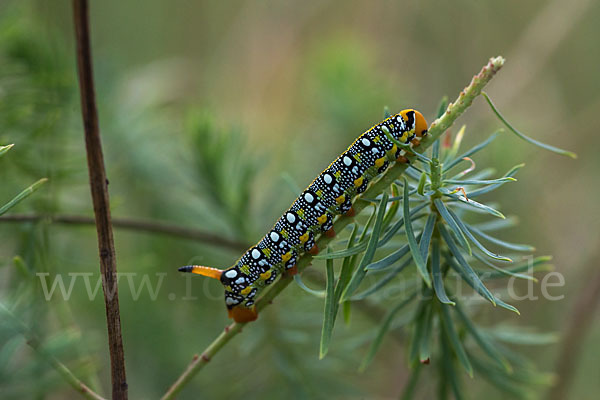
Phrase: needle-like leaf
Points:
(412, 243)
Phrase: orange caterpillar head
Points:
(413, 116)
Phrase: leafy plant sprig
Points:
(436, 204)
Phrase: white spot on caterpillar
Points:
(347, 161)
(309, 197)
(274, 236)
(255, 254)
(291, 218)
(232, 273)
(327, 178)
(374, 150)
(399, 119)
(230, 301)
(239, 281)
(366, 142)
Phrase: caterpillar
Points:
(313, 213)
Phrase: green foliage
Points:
(441, 247)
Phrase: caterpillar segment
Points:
(313, 213)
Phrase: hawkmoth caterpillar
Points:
(313, 213)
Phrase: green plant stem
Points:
(136, 225)
(437, 128)
(62, 369)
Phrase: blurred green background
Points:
(209, 109)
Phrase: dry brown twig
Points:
(100, 199)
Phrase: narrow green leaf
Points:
(389, 260)
(347, 267)
(420, 315)
(329, 312)
(438, 279)
(535, 265)
(409, 390)
(523, 336)
(505, 272)
(473, 203)
(21, 267)
(403, 146)
(412, 243)
(4, 149)
(452, 336)
(470, 152)
(451, 153)
(488, 189)
(383, 281)
(346, 310)
(460, 236)
(467, 182)
(507, 306)
(393, 210)
(425, 342)
(497, 224)
(400, 223)
(500, 379)
(422, 182)
(463, 268)
(473, 240)
(317, 293)
(351, 250)
(383, 328)
(360, 272)
(426, 236)
(449, 372)
(21, 196)
(524, 137)
(483, 341)
(499, 242)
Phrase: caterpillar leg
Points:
(403, 160)
(330, 233)
(350, 212)
(314, 250)
(292, 270)
(243, 314)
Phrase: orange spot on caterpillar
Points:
(243, 314)
(314, 250)
(330, 233)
